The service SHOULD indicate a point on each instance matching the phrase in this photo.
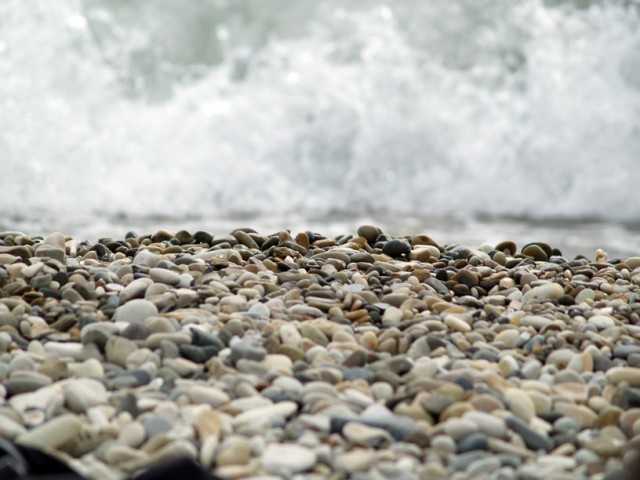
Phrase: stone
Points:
(208, 424)
(509, 338)
(246, 348)
(57, 433)
(473, 441)
(601, 321)
(265, 415)
(356, 460)
(47, 251)
(533, 439)
(84, 393)
(287, 458)
(460, 427)
(63, 349)
(118, 349)
(208, 395)
(445, 443)
(520, 403)
(132, 434)
(135, 311)
(365, 436)
(396, 248)
(162, 275)
(145, 258)
(135, 289)
(457, 324)
(487, 423)
(156, 424)
(630, 375)
(235, 450)
(543, 293)
(482, 466)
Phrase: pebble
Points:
(630, 375)
(135, 311)
(520, 403)
(509, 338)
(84, 393)
(543, 293)
(532, 439)
(294, 355)
(56, 433)
(162, 275)
(118, 349)
(287, 458)
(487, 423)
(457, 324)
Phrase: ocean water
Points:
(471, 120)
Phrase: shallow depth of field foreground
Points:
(294, 355)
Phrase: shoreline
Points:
(359, 356)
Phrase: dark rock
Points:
(135, 331)
(396, 248)
(129, 403)
(437, 285)
(197, 353)
(466, 278)
(473, 441)
(357, 373)
(203, 237)
(532, 439)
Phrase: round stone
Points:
(118, 349)
(510, 338)
(396, 248)
(135, 311)
(369, 232)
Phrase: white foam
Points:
(228, 108)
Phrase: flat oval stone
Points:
(369, 232)
(487, 423)
(268, 413)
(287, 458)
(457, 324)
(520, 403)
(55, 433)
(135, 311)
(542, 293)
(472, 441)
(162, 275)
(532, 438)
(135, 289)
(460, 427)
(510, 338)
(631, 375)
(601, 321)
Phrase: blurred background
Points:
(469, 120)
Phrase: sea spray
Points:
(227, 109)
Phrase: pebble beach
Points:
(298, 356)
